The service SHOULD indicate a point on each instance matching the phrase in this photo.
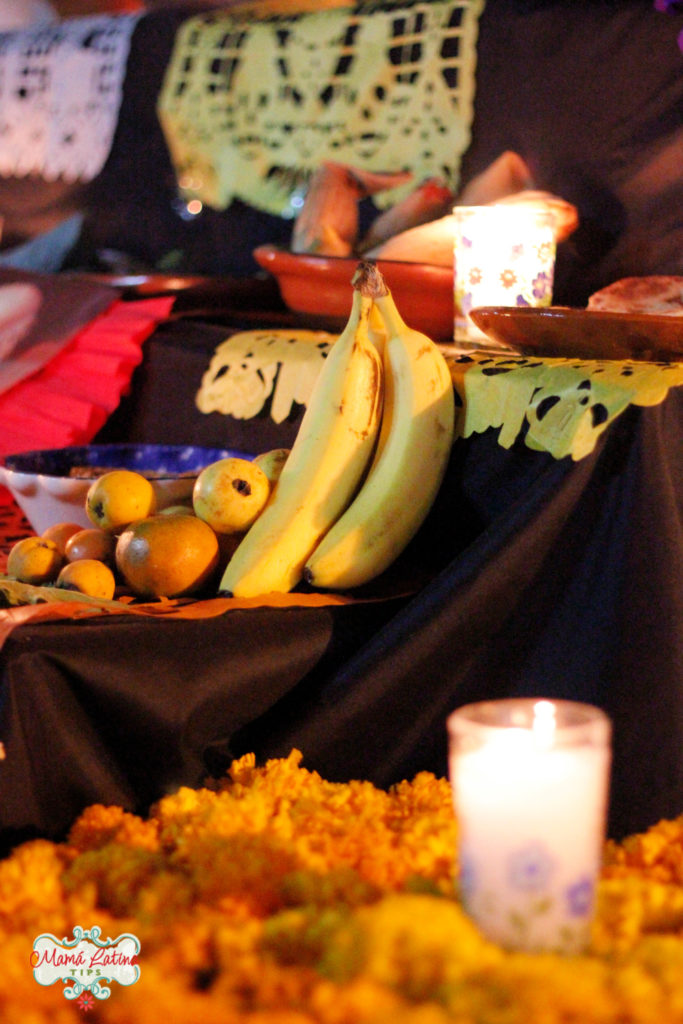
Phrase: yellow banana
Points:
(410, 462)
(330, 454)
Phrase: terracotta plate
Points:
(582, 333)
(321, 286)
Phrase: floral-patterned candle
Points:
(530, 783)
(503, 255)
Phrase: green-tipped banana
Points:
(330, 454)
(408, 468)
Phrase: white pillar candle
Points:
(530, 782)
(503, 255)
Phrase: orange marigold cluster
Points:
(277, 897)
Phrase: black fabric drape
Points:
(121, 711)
(590, 94)
(572, 590)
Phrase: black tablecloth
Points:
(161, 409)
(552, 578)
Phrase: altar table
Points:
(534, 575)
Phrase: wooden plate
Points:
(582, 333)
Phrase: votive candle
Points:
(503, 255)
(530, 785)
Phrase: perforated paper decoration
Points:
(60, 94)
(251, 108)
(558, 405)
(254, 368)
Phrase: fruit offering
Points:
(409, 463)
(272, 463)
(230, 494)
(88, 576)
(331, 452)
(91, 544)
(34, 560)
(117, 498)
(61, 533)
(167, 556)
(366, 464)
(333, 512)
(172, 553)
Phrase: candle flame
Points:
(544, 723)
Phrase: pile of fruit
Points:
(132, 547)
(334, 512)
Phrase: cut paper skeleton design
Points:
(251, 366)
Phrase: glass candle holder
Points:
(530, 782)
(503, 255)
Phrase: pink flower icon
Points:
(85, 1002)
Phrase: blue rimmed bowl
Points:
(44, 486)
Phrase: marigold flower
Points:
(276, 897)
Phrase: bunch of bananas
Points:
(367, 462)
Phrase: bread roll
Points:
(661, 295)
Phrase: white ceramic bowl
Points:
(40, 483)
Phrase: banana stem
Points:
(368, 280)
